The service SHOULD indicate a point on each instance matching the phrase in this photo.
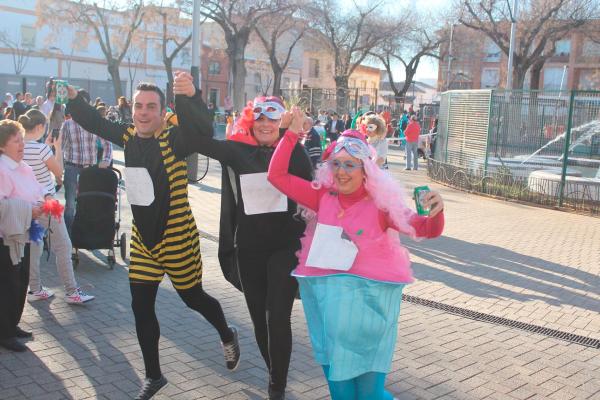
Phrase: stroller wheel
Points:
(123, 246)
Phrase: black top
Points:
(19, 109)
(339, 126)
(313, 146)
(268, 231)
(151, 220)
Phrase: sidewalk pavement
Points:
(527, 264)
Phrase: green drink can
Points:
(419, 194)
(62, 94)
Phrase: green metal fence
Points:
(535, 146)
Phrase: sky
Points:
(428, 67)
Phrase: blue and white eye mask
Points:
(269, 109)
(355, 147)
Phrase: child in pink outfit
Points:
(352, 287)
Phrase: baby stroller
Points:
(94, 225)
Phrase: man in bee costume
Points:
(164, 234)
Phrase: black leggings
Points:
(143, 297)
(13, 290)
(270, 290)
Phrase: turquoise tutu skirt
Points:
(352, 322)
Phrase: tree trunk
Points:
(169, 69)
(534, 123)
(342, 94)
(277, 74)
(113, 70)
(536, 72)
(519, 77)
(236, 48)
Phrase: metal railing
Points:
(341, 100)
(537, 146)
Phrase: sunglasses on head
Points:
(349, 165)
(355, 147)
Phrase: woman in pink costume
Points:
(352, 267)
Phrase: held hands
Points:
(297, 121)
(286, 120)
(184, 84)
(434, 202)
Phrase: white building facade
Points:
(30, 54)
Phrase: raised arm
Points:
(297, 189)
(87, 116)
(195, 125)
(430, 226)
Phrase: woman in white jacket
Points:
(20, 194)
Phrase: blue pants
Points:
(70, 181)
(412, 152)
(369, 386)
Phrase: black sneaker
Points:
(21, 333)
(231, 350)
(12, 344)
(151, 387)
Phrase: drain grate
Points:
(463, 312)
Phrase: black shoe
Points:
(22, 333)
(231, 350)
(151, 387)
(276, 394)
(407, 169)
(12, 344)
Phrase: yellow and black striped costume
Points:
(178, 253)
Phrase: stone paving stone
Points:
(486, 261)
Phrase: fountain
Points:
(580, 183)
(543, 173)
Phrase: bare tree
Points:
(176, 33)
(20, 53)
(350, 36)
(413, 40)
(112, 25)
(134, 57)
(273, 33)
(237, 19)
(540, 24)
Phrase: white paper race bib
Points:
(139, 187)
(260, 196)
(331, 249)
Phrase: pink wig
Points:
(387, 194)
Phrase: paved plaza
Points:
(525, 264)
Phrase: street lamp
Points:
(192, 159)
(513, 27)
(449, 57)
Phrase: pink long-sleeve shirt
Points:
(303, 193)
